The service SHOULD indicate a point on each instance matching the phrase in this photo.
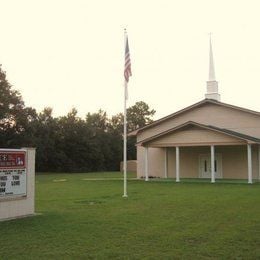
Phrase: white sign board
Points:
(12, 174)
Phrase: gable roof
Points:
(198, 104)
(207, 127)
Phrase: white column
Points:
(177, 164)
(212, 156)
(146, 164)
(166, 163)
(249, 163)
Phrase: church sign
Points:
(12, 173)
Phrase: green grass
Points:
(88, 219)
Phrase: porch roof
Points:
(229, 133)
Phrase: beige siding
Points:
(171, 163)
(194, 137)
(234, 162)
(189, 161)
(140, 161)
(156, 158)
(210, 114)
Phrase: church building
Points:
(209, 139)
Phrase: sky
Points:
(70, 53)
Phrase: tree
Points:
(14, 116)
(117, 123)
(138, 116)
(106, 139)
(49, 156)
(68, 143)
(97, 121)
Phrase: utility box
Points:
(17, 183)
(131, 166)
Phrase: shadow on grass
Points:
(203, 180)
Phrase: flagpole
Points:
(125, 142)
(125, 135)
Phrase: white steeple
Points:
(212, 84)
(211, 63)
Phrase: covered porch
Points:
(191, 150)
(230, 162)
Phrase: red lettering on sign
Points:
(10, 159)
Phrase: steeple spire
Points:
(211, 62)
(212, 84)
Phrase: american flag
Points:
(127, 71)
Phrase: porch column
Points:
(146, 164)
(249, 163)
(177, 164)
(212, 155)
(166, 163)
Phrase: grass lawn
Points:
(85, 218)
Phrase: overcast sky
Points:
(70, 53)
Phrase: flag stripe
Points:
(127, 71)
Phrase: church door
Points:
(205, 166)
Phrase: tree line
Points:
(68, 143)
